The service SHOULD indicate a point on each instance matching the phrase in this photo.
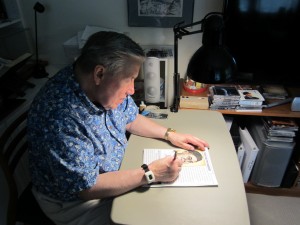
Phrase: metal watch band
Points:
(166, 137)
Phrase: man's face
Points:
(114, 89)
(187, 157)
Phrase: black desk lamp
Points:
(39, 68)
(211, 63)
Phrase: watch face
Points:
(148, 174)
(150, 177)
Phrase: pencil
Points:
(175, 154)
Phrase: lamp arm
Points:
(36, 41)
(179, 32)
(176, 76)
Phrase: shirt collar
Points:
(74, 85)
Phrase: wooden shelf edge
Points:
(9, 22)
(290, 192)
(276, 111)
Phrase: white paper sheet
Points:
(199, 173)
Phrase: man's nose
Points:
(131, 90)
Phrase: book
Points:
(274, 91)
(250, 96)
(223, 97)
(279, 129)
(280, 123)
(193, 102)
(250, 102)
(198, 172)
(248, 109)
(224, 92)
(250, 153)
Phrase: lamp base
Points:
(39, 70)
(175, 106)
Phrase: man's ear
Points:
(98, 74)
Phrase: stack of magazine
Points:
(223, 97)
(250, 100)
(274, 137)
(280, 129)
(274, 91)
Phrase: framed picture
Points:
(159, 13)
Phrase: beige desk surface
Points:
(225, 204)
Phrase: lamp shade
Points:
(212, 63)
(38, 7)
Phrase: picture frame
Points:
(159, 13)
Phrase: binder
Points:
(250, 154)
(241, 153)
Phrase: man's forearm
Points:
(145, 127)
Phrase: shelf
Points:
(293, 191)
(9, 23)
(277, 111)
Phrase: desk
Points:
(225, 204)
(277, 111)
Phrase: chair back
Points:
(13, 145)
(21, 204)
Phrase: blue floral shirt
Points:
(71, 140)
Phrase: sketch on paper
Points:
(160, 8)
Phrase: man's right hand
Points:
(166, 169)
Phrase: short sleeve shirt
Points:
(71, 140)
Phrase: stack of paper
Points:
(87, 32)
(73, 45)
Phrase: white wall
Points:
(62, 20)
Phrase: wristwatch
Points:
(166, 137)
(148, 174)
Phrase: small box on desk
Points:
(193, 102)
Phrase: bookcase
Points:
(276, 111)
(14, 37)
